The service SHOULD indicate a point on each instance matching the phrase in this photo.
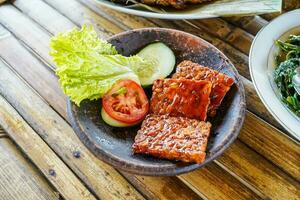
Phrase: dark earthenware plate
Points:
(113, 145)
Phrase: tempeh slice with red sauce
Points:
(175, 138)
(221, 83)
(184, 98)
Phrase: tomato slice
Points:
(126, 102)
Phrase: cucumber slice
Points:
(111, 121)
(164, 59)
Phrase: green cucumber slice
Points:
(111, 121)
(164, 59)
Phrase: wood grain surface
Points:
(49, 125)
(18, 176)
(263, 163)
(253, 180)
(39, 152)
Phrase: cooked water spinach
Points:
(287, 62)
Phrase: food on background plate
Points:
(185, 98)
(177, 4)
(125, 104)
(221, 83)
(288, 61)
(88, 67)
(175, 138)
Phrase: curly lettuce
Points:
(88, 67)
(76, 42)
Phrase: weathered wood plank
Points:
(36, 9)
(282, 150)
(163, 187)
(19, 177)
(28, 70)
(233, 35)
(211, 181)
(127, 21)
(23, 27)
(81, 15)
(68, 185)
(255, 105)
(103, 181)
(251, 24)
(259, 172)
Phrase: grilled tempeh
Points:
(175, 138)
(184, 97)
(221, 83)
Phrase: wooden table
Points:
(42, 158)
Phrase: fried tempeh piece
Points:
(221, 83)
(185, 98)
(175, 138)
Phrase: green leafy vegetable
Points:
(88, 66)
(79, 42)
(288, 61)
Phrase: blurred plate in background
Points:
(215, 8)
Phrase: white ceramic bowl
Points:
(262, 64)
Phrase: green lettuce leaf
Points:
(79, 42)
(88, 67)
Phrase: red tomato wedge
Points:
(126, 102)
